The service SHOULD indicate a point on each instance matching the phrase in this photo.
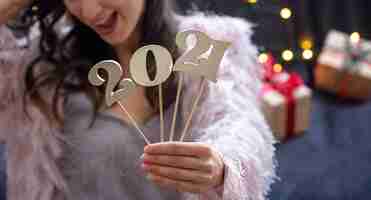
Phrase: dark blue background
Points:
(332, 160)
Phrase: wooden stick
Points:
(134, 123)
(180, 83)
(195, 103)
(161, 112)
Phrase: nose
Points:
(90, 9)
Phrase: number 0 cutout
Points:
(138, 65)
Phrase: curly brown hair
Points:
(71, 56)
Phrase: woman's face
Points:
(113, 20)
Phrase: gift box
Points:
(286, 104)
(268, 66)
(344, 66)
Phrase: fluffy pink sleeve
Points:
(10, 62)
(228, 116)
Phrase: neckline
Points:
(149, 123)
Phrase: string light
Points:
(306, 44)
(287, 55)
(278, 68)
(263, 58)
(34, 8)
(355, 37)
(286, 13)
(307, 54)
(252, 1)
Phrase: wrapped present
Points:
(269, 70)
(344, 66)
(286, 104)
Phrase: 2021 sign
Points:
(203, 59)
(191, 62)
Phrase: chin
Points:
(114, 41)
(116, 38)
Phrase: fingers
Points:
(192, 176)
(179, 148)
(181, 186)
(177, 161)
(189, 167)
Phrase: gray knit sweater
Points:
(103, 160)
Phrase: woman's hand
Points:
(186, 167)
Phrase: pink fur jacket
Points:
(228, 118)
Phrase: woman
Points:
(57, 152)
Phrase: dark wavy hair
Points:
(70, 57)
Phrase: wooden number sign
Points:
(193, 61)
(114, 72)
(138, 65)
(203, 59)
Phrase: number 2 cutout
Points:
(192, 62)
(114, 76)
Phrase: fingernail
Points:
(147, 162)
(145, 159)
(145, 166)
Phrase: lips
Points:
(107, 25)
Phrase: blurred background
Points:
(331, 157)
